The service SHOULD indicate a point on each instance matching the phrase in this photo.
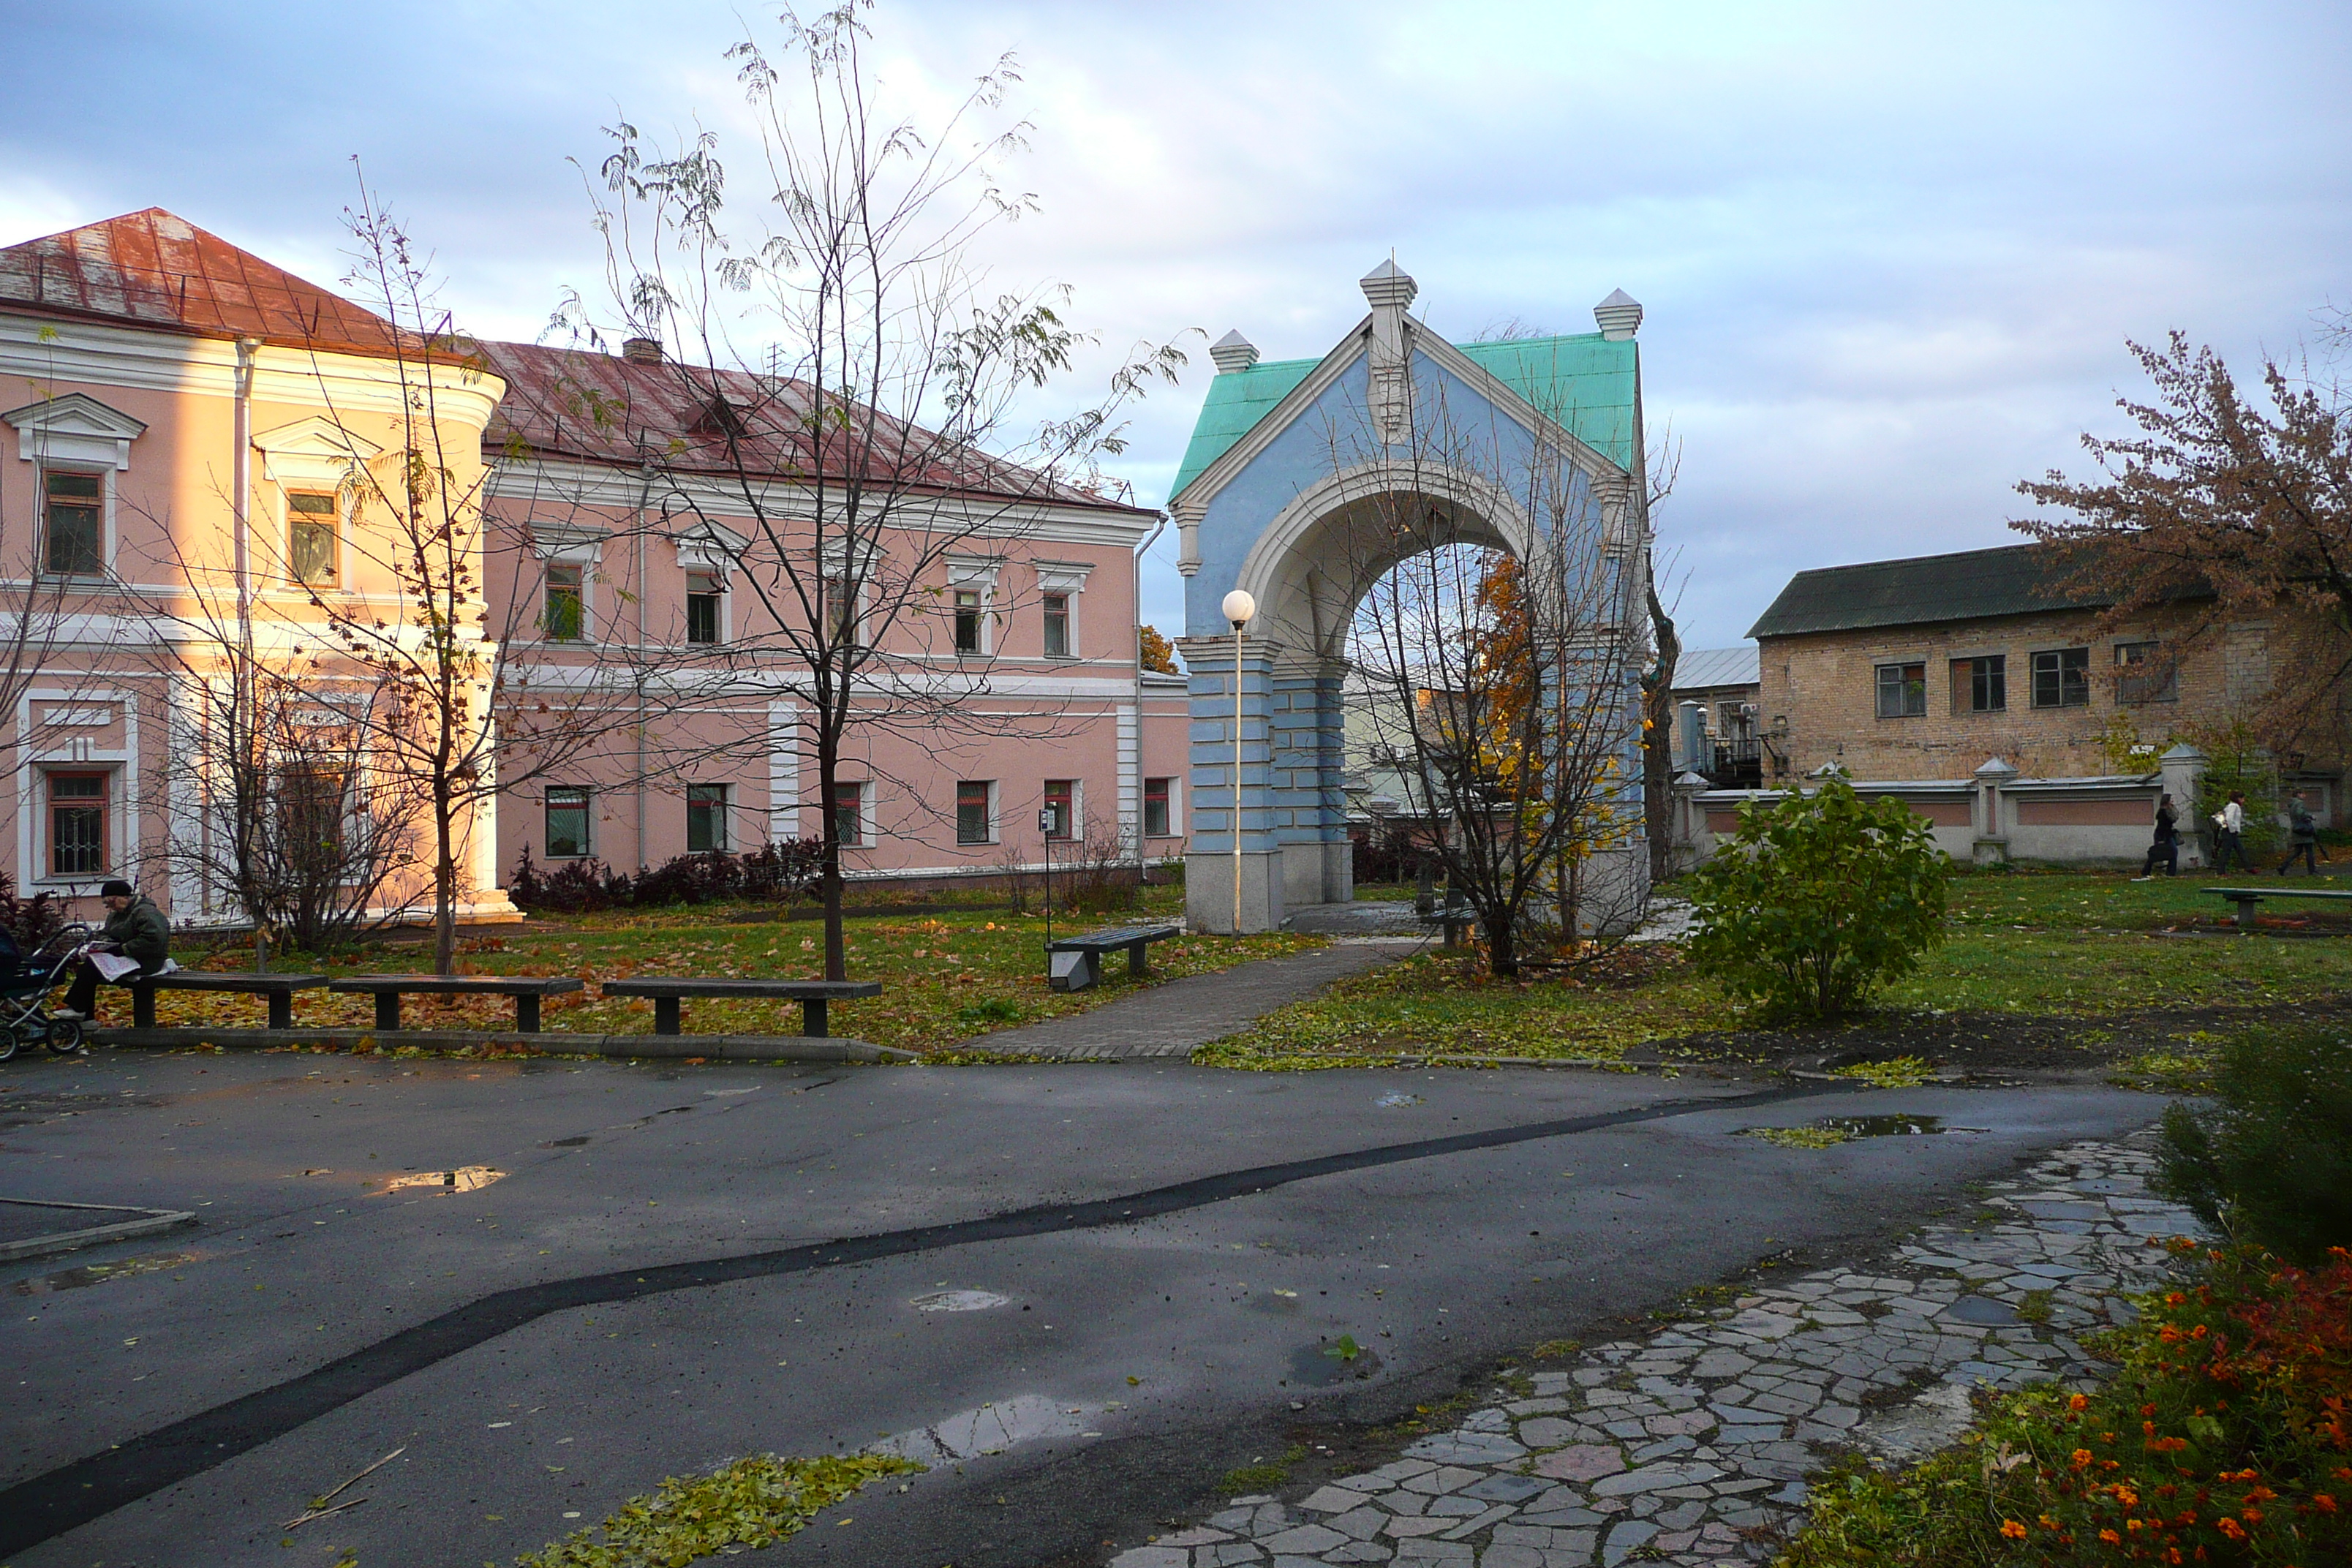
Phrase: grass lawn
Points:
(945, 977)
(2018, 942)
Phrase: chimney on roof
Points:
(1620, 316)
(641, 351)
(1232, 353)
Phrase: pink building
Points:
(189, 422)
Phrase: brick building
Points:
(1924, 668)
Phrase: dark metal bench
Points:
(279, 988)
(526, 990)
(2247, 898)
(1076, 961)
(811, 994)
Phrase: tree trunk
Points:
(837, 956)
(1502, 951)
(1657, 742)
(444, 888)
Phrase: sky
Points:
(1890, 255)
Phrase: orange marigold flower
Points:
(2253, 1515)
(2048, 1523)
(2175, 1299)
(2323, 1502)
(2147, 1410)
(2111, 1538)
(2011, 1529)
(2078, 1401)
(2199, 1332)
(2081, 1457)
(2231, 1528)
(2124, 1494)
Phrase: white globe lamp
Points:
(1239, 607)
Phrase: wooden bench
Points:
(2247, 898)
(1074, 963)
(279, 988)
(526, 990)
(1454, 919)
(811, 994)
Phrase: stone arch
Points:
(1308, 570)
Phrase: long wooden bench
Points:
(2247, 898)
(811, 994)
(1453, 919)
(526, 990)
(1075, 962)
(279, 988)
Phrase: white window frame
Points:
(1067, 578)
(865, 788)
(74, 434)
(40, 748)
(726, 596)
(995, 793)
(969, 572)
(286, 493)
(587, 793)
(1175, 806)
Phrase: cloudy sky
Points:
(1890, 253)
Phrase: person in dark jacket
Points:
(134, 928)
(2167, 847)
(2301, 835)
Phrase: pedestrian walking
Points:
(2228, 833)
(2166, 845)
(2301, 835)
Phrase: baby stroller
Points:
(24, 986)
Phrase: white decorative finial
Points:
(1390, 286)
(1232, 353)
(1620, 316)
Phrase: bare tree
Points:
(850, 427)
(1511, 682)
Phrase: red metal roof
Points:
(683, 419)
(156, 270)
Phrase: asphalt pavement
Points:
(632, 1276)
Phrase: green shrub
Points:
(2268, 1159)
(1818, 899)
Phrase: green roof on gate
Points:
(1583, 381)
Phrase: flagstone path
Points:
(1172, 1020)
(1691, 1444)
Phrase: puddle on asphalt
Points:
(1396, 1097)
(991, 1429)
(958, 1301)
(1321, 1364)
(1823, 1132)
(464, 1179)
(90, 1273)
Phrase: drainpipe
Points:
(1141, 550)
(637, 565)
(241, 477)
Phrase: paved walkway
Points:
(1693, 1442)
(1170, 1020)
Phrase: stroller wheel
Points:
(64, 1038)
(7, 1044)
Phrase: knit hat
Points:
(118, 889)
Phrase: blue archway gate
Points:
(1291, 488)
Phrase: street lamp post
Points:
(1239, 607)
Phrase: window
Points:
(1980, 685)
(702, 591)
(841, 610)
(1901, 690)
(966, 620)
(849, 813)
(564, 618)
(2062, 678)
(2145, 675)
(706, 819)
(76, 523)
(310, 544)
(76, 824)
(1061, 801)
(1156, 793)
(311, 801)
(567, 823)
(975, 819)
(1058, 625)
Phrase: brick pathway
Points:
(1170, 1020)
(1691, 1444)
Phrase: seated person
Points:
(134, 928)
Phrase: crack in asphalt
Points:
(74, 1494)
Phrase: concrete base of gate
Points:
(1209, 891)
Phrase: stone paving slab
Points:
(1691, 1445)
(1173, 1019)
